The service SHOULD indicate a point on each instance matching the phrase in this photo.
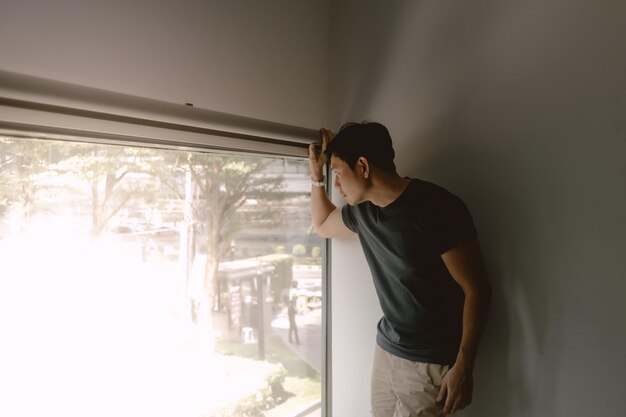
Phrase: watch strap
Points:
(319, 183)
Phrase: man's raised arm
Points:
(325, 215)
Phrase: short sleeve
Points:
(347, 214)
(449, 224)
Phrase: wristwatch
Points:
(319, 183)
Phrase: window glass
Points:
(151, 282)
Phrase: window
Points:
(139, 281)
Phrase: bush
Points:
(282, 275)
(316, 252)
(256, 404)
(298, 250)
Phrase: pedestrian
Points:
(291, 313)
(422, 249)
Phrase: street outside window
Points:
(156, 282)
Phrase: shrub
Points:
(299, 250)
(282, 275)
(255, 405)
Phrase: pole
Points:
(261, 306)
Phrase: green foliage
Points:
(299, 250)
(218, 194)
(280, 249)
(255, 405)
(23, 163)
(282, 275)
(276, 352)
(114, 177)
(316, 252)
(226, 194)
(301, 382)
(46, 175)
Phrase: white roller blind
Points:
(35, 106)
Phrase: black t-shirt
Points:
(403, 243)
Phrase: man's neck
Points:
(386, 188)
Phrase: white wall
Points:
(519, 108)
(267, 60)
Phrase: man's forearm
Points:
(321, 206)
(475, 312)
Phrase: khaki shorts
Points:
(402, 388)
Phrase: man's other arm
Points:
(466, 265)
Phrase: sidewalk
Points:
(316, 413)
(309, 332)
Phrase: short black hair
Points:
(368, 139)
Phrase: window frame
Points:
(32, 107)
(40, 105)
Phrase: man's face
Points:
(349, 182)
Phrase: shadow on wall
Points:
(496, 184)
(539, 173)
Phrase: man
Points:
(422, 249)
(291, 314)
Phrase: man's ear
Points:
(364, 166)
